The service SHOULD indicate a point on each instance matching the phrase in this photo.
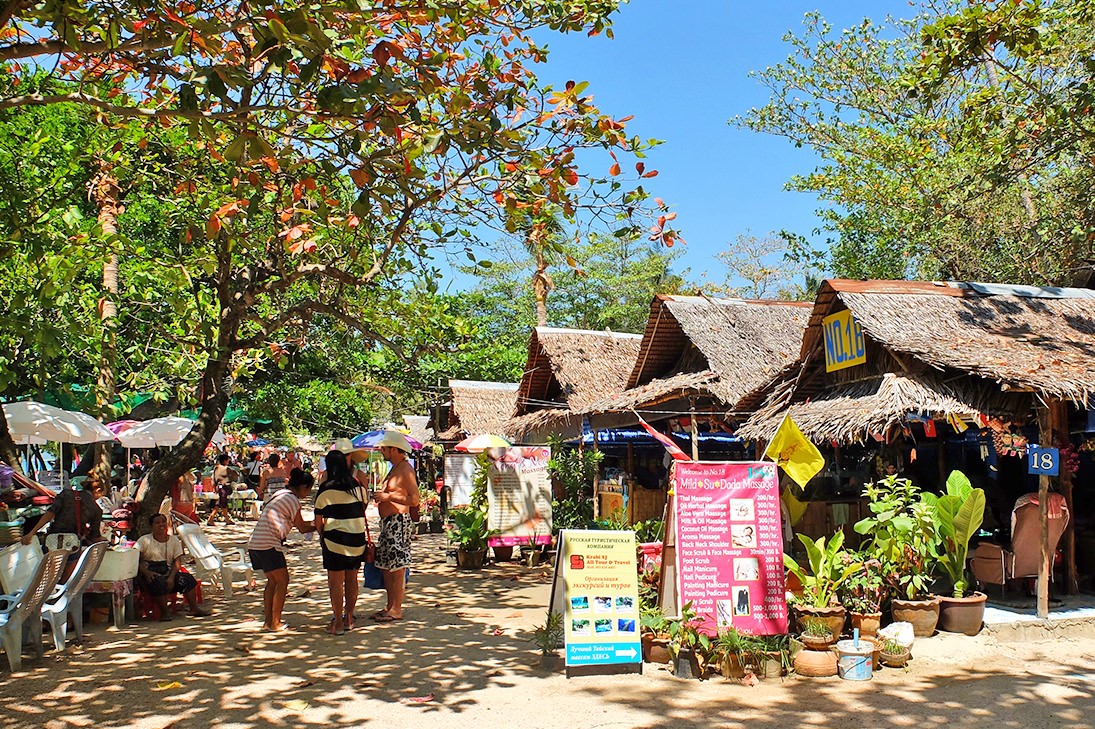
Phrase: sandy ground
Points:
(461, 658)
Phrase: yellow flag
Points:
(794, 453)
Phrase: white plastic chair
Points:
(210, 563)
(21, 612)
(67, 600)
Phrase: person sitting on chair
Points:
(159, 575)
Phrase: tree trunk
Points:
(216, 389)
(105, 194)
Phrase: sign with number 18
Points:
(1043, 461)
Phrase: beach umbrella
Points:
(34, 420)
(483, 442)
(370, 439)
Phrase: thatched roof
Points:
(852, 412)
(419, 426)
(745, 343)
(478, 407)
(656, 391)
(571, 368)
(562, 422)
(935, 349)
(1025, 338)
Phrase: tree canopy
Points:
(954, 144)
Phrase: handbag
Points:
(372, 577)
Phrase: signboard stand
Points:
(595, 587)
(724, 547)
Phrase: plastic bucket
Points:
(854, 663)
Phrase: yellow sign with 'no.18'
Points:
(844, 342)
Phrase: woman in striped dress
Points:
(340, 519)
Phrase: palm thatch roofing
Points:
(956, 346)
(478, 407)
(570, 368)
(419, 426)
(714, 351)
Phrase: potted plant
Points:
(903, 539)
(862, 595)
(828, 569)
(958, 515)
(469, 534)
(547, 638)
(816, 635)
(726, 650)
(767, 656)
(893, 654)
(655, 634)
(688, 646)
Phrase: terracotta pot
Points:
(817, 643)
(962, 614)
(655, 648)
(502, 554)
(923, 614)
(832, 616)
(730, 667)
(816, 663)
(466, 560)
(868, 623)
(895, 660)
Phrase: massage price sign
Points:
(844, 342)
(602, 597)
(730, 546)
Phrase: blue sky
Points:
(682, 68)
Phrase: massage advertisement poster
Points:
(519, 496)
(730, 546)
(602, 597)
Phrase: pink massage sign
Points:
(730, 547)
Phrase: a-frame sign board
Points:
(596, 589)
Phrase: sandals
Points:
(386, 618)
(349, 621)
(331, 628)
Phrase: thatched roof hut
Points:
(567, 370)
(937, 349)
(419, 426)
(478, 407)
(714, 353)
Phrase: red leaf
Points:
(640, 167)
(652, 173)
(140, 24)
(614, 169)
(381, 54)
(421, 699)
(359, 176)
(571, 176)
(658, 201)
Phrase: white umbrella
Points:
(47, 423)
(34, 422)
(167, 431)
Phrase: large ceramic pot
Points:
(655, 648)
(832, 616)
(466, 560)
(962, 614)
(868, 623)
(923, 614)
(816, 663)
(502, 553)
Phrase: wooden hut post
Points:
(1045, 565)
(695, 430)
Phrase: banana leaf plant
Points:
(829, 567)
(958, 515)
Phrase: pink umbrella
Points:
(483, 442)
